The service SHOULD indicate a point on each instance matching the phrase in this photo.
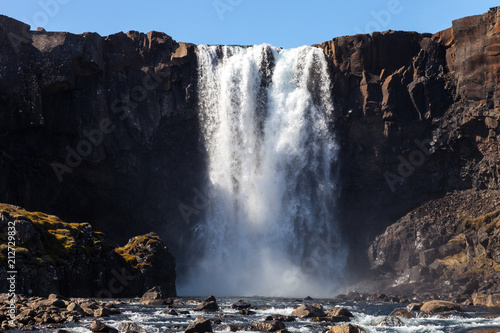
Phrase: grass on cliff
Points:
(56, 240)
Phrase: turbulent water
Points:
(366, 315)
(269, 228)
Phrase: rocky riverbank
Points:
(61, 314)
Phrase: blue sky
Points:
(286, 23)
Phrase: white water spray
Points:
(269, 228)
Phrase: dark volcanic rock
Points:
(74, 260)
(98, 326)
(240, 305)
(390, 322)
(267, 326)
(155, 296)
(200, 325)
(208, 305)
(461, 231)
(131, 328)
(402, 313)
(128, 98)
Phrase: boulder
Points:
(131, 328)
(267, 326)
(208, 305)
(346, 328)
(390, 322)
(307, 310)
(439, 306)
(101, 312)
(413, 307)
(76, 308)
(492, 300)
(335, 312)
(331, 319)
(154, 296)
(98, 326)
(240, 305)
(402, 313)
(285, 319)
(230, 328)
(246, 312)
(172, 312)
(200, 325)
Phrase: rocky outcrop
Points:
(71, 259)
(448, 246)
(151, 257)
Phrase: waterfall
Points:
(269, 228)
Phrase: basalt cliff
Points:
(106, 130)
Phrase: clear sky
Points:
(286, 23)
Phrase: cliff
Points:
(105, 129)
(417, 118)
(49, 255)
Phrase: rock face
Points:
(448, 246)
(72, 259)
(417, 118)
(100, 129)
(110, 125)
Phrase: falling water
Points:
(269, 228)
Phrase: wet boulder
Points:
(267, 326)
(307, 311)
(346, 328)
(439, 306)
(200, 325)
(208, 305)
(402, 313)
(155, 296)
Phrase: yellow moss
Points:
(458, 259)
(57, 238)
(127, 251)
(483, 265)
(459, 239)
(143, 265)
(478, 222)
